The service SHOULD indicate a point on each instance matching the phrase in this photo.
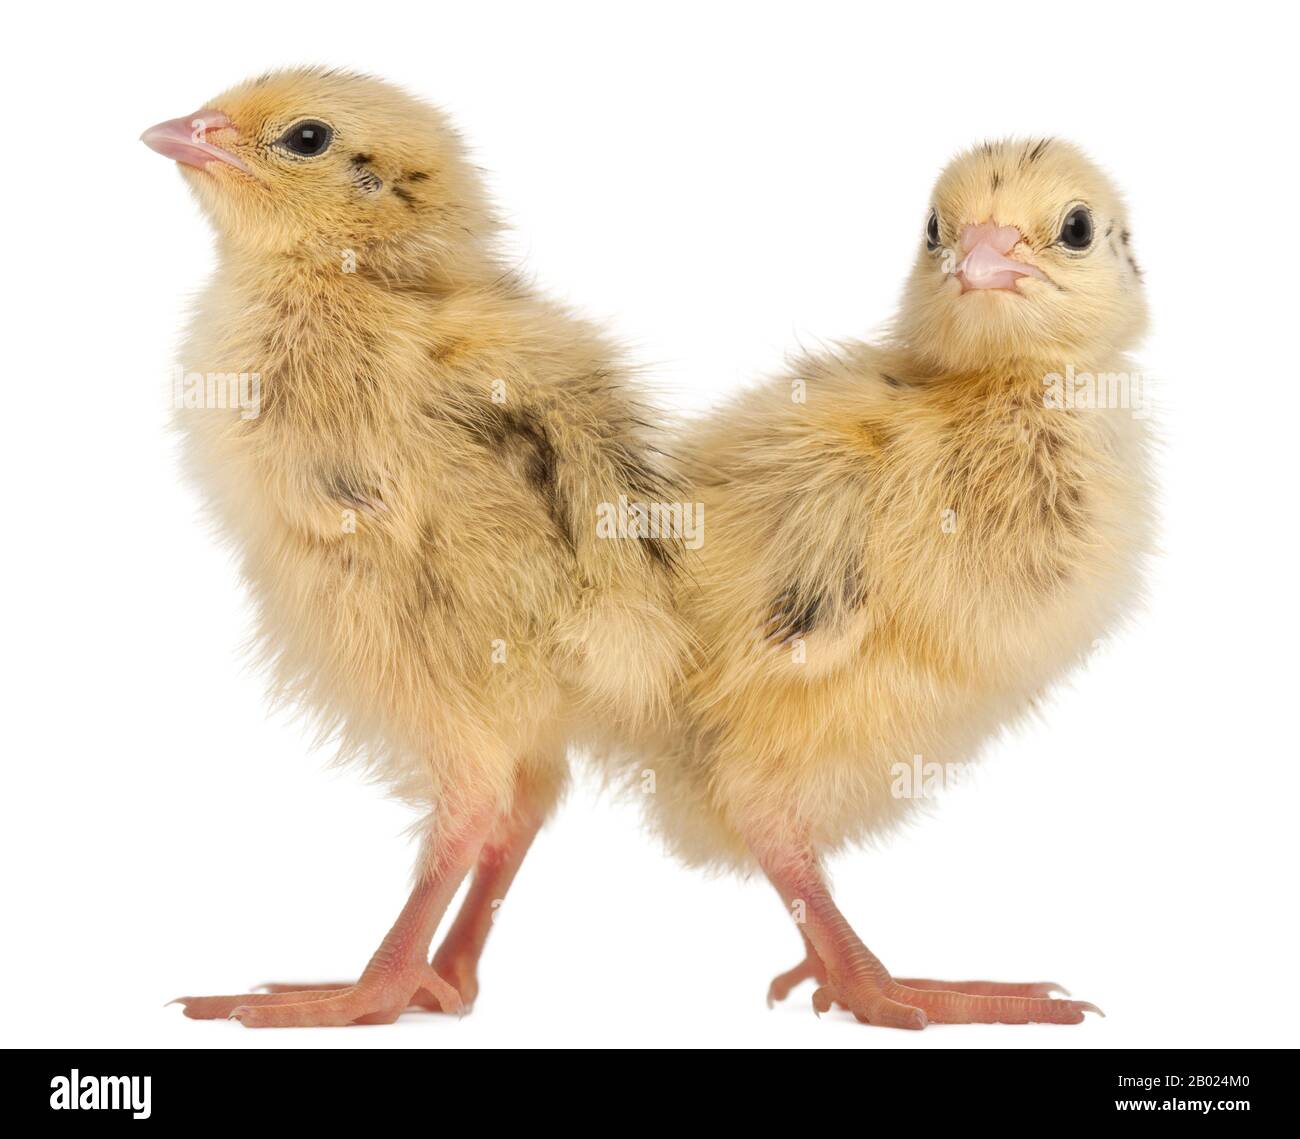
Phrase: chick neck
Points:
(427, 268)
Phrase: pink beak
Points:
(185, 140)
(986, 264)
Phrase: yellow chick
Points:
(409, 449)
(907, 543)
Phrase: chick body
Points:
(422, 558)
(907, 544)
(414, 500)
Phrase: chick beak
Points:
(986, 264)
(185, 140)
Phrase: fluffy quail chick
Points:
(907, 543)
(412, 483)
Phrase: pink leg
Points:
(397, 973)
(456, 961)
(499, 861)
(851, 975)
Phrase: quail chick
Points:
(908, 542)
(411, 475)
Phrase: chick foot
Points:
(850, 975)
(423, 998)
(378, 998)
(398, 974)
(455, 965)
(902, 1006)
(811, 969)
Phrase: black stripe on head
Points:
(365, 178)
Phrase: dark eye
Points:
(932, 232)
(1076, 232)
(307, 138)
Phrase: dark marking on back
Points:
(351, 490)
(855, 588)
(430, 590)
(876, 436)
(794, 615)
(799, 611)
(997, 179)
(637, 477)
(501, 431)
(443, 351)
(520, 426)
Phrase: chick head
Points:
(1024, 255)
(315, 163)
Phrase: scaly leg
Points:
(850, 974)
(458, 956)
(456, 961)
(398, 971)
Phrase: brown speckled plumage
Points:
(414, 507)
(906, 545)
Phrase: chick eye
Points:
(1076, 231)
(307, 138)
(932, 232)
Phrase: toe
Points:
(964, 1008)
(444, 995)
(220, 1008)
(893, 1014)
(872, 1007)
(986, 988)
(303, 986)
(335, 1010)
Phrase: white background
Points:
(720, 182)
